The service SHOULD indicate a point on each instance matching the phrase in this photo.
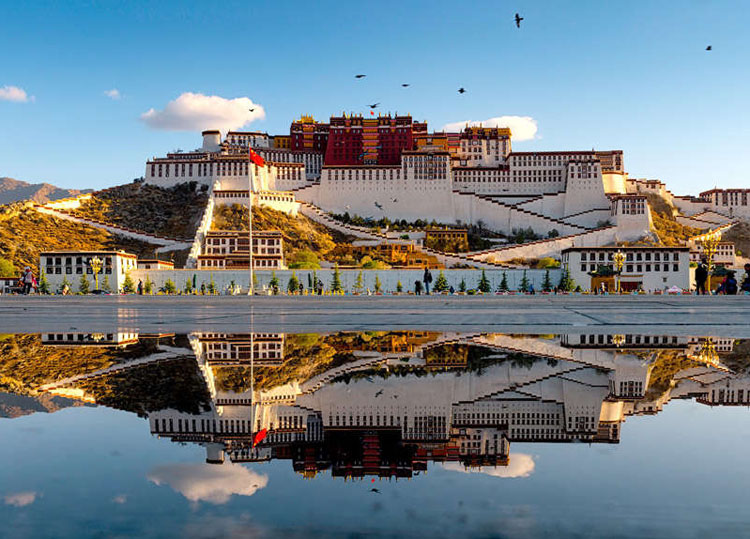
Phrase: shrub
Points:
(169, 287)
(7, 269)
(304, 259)
(503, 287)
(105, 285)
(127, 285)
(484, 283)
(83, 285)
(336, 281)
(293, 285)
(462, 286)
(441, 284)
(399, 287)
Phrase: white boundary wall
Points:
(388, 278)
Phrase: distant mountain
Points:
(14, 190)
(12, 405)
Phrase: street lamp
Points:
(619, 260)
(710, 244)
(96, 264)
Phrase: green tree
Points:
(127, 285)
(547, 284)
(212, 286)
(188, 287)
(524, 283)
(378, 284)
(255, 281)
(503, 283)
(441, 283)
(484, 283)
(7, 269)
(462, 285)
(105, 285)
(359, 283)
(336, 281)
(169, 287)
(566, 283)
(43, 284)
(274, 282)
(148, 286)
(304, 259)
(83, 285)
(399, 287)
(293, 285)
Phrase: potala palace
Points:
(394, 167)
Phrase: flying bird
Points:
(251, 110)
(374, 105)
(461, 90)
(404, 85)
(518, 20)
(709, 48)
(380, 392)
(376, 491)
(359, 76)
(395, 200)
(378, 205)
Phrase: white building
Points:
(70, 266)
(647, 268)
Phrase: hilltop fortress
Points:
(392, 166)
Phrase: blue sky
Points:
(609, 75)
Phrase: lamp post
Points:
(96, 266)
(619, 260)
(710, 244)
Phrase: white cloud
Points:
(520, 465)
(196, 112)
(113, 94)
(521, 127)
(209, 482)
(15, 94)
(20, 499)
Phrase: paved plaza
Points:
(709, 315)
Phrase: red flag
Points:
(257, 159)
(372, 113)
(261, 435)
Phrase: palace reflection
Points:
(386, 403)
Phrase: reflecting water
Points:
(373, 433)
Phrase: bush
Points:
(127, 285)
(441, 284)
(304, 259)
(83, 285)
(399, 287)
(7, 269)
(169, 287)
(148, 286)
(293, 285)
(484, 283)
(547, 262)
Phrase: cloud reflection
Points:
(520, 465)
(208, 482)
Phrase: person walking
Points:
(427, 278)
(701, 275)
(746, 281)
(140, 287)
(27, 280)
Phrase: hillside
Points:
(670, 232)
(740, 235)
(15, 190)
(300, 233)
(173, 212)
(12, 405)
(24, 233)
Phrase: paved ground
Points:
(678, 315)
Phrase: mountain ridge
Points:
(12, 190)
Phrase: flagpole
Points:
(250, 216)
